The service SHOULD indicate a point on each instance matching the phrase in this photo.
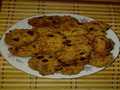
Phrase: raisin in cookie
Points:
(20, 37)
(92, 35)
(44, 64)
(53, 21)
(97, 26)
(28, 50)
(67, 55)
(71, 54)
(53, 42)
(76, 40)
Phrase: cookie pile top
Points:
(61, 44)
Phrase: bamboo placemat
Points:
(15, 10)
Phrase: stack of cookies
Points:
(61, 44)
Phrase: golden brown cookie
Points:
(76, 36)
(84, 52)
(67, 55)
(71, 54)
(69, 21)
(53, 21)
(40, 21)
(44, 64)
(93, 34)
(67, 30)
(76, 40)
(102, 45)
(72, 69)
(47, 42)
(97, 26)
(28, 50)
(53, 42)
(20, 37)
(98, 61)
(41, 31)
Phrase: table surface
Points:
(15, 10)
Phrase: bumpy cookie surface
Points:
(45, 64)
(29, 50)
(53, 42)
(53, 21)
(20, 37)
(72, 54)
(98, 61)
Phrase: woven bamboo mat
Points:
(15, 10)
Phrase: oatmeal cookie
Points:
(102, 45)
(97, 26)
(72, 69)
(28, 50)
(44, 64)
(20, 37)
(93, 34)
(68, 31)
(53, 42)
(40, 21)
(98, 61)
(71, 54)
(52, 21)
(76, 40)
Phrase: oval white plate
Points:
(21, 63)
